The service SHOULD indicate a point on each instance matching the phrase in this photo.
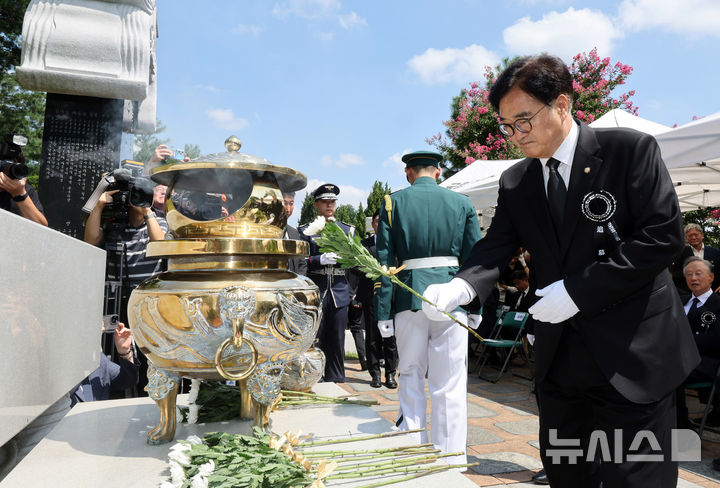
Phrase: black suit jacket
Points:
(297, 265)
(631, 319)
(705, 325)
(710, 254)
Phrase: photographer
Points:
(16, 195)
(142, 227)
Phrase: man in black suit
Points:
(597, 211)
(376, 346)
(702, 307)
(694, 237)
(299, 264)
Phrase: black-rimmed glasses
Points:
(521, 125)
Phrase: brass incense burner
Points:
(227, 308)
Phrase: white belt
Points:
(432, 262)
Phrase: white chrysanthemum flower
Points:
(199, 482)
(193, 414)
(194, 390)
(167, 484)
(194, 440)
(315, 226)
(177, 473)
(179, 456)
(207, 468)
(178, 414)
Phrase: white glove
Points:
(531, 339)
(447, 297)
(555, 306)
(511, 289)
(328, 258)
(473, 321)
(387, 329)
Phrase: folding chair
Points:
(705, 384)
(501, 311)
(514, 321)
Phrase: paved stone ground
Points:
(503, 426)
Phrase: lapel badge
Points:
(587, 170)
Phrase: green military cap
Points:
(422, 158)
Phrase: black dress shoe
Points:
(716, 464)
(375, 382)
(363, 365)
(390, 381)
(540, 478)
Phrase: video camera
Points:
(12, 159)
(133, 189)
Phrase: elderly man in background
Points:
(694, 236)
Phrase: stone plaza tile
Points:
(477, 411)
(393, 397)
(478, 435)
(385, 408)
(501, 388)
(482, 479)
(519, 411)
(503, 462)
(521, 427)
(515, 477)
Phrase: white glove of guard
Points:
(328, 258)
(531, 339)
(555, 306)
(447, 297)
(473, 321)
(387, 329)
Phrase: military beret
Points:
(328, 191)
(422, 158)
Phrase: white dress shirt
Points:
(565, 153)
(699, 254)
(701, 300)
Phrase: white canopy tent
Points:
(690, 152)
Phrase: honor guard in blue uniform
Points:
(429, 230)
(330, 278)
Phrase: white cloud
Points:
(689, 17)
(351, 20)
(226, 119)
(253, 30)
(563, 34)
(395, 161)
(343, 161)
(436, 66)
(208, 88)
(349, 194)
(319, 10)
(307, 9)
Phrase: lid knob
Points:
(233, 144)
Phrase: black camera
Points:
(132, 189)
(12, 159)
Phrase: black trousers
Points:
(577, 402)
(331, 340)
(377, 346)
(355, 324)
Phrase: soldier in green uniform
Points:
(429, 230)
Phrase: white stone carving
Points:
(100, 48)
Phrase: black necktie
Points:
(556, 193)
(693, 305)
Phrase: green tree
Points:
(22, 112)
(359, 222)
(346, 213)
(308, 213)
(376, 197)
(192, 150)
(145, 144)
(12, 13)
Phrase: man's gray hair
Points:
(694, 226)
(290, 194)
(693, 259)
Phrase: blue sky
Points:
(341, 89)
